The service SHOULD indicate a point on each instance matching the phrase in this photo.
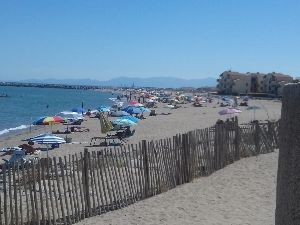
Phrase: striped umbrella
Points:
(47, 138)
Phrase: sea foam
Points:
(21, 127)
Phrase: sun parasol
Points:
(47, 139)
(49, 120)
(230, 111)
(132, 118)
(124, 122)
(132, 110)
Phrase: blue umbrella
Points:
(133, 110)
(79, 110)
(123, 122)
(104, 108)
(144, 109)
(132, 118)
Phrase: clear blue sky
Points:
(102, 39)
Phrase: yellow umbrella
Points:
(105, 124)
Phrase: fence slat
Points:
(79, 165)
(74, 184)
(59, 191)
(105, 193)
(50, 176)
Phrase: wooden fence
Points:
(68, 189)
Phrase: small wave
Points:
(13, 129)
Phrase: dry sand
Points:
(242, 193)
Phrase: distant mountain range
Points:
(160, 82)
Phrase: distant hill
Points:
(160, 82)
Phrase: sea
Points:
(24, 105)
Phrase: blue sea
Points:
(26, 104)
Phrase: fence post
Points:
(185, 158)
(85, 180)
(176, 148)
(146, 169)
(217, 143)
(237, 140)
(288, 174)
(257, 137)
(271, 135)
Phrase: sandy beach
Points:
(241, 193)
(180, 120)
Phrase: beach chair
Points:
(18, 156)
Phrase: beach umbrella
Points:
(119, 113)
(246, 98)
(104, 109)
(229, 111)
(133, 110)
(47, 139)
(49, 120)
(123, 122)
(132, 118)
(138, 105)
(105, 124)
(144, 109)
(79, 110)
(133, 102)
(169, 106)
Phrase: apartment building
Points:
(235, 83)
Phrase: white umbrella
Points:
(230, 111)
(169, 106)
